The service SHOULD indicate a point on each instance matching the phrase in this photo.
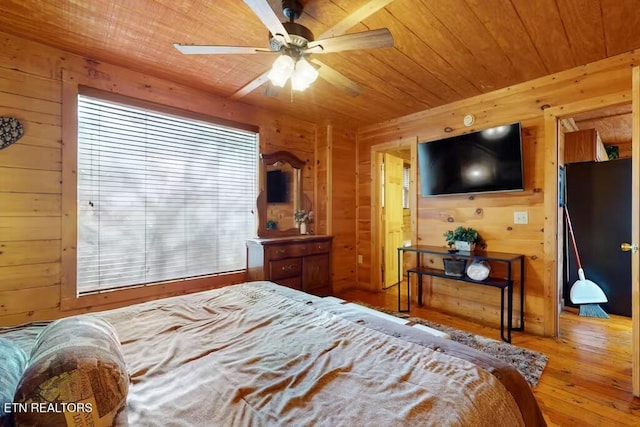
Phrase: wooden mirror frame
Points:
(300, 200)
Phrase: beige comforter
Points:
(259, 354)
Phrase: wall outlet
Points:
(521, 217)
(360, 260)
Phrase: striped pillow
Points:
(14, 362)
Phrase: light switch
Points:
(521, 217)
(360, 259)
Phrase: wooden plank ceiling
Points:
(614, 124)
(445, 50)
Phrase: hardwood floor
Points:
(587, 381)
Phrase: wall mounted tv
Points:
(484, 161)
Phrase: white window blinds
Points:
(406, 172)
(160, 197)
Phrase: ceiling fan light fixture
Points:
(303, 75)
(281, 70)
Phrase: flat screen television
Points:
(278, 186)
(489, 160)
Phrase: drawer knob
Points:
(281, 251)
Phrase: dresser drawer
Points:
(286, 251)
(319, 247)
(291, 282)
(285, 268)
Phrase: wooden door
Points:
(393, 168)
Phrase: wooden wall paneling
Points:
(41, 60)
(24, 156)
(604, 83)
(492, 215)
(16, 277)
(635, 229)
(29, 228)
(69, 191)
(49, 110)
(29, 181)
(322, 205)
(29, 299)
(23, 252)
(24, 84)
(33, 242)
(343, 207)
(29, 204)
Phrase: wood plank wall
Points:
(343, 206)
(30, 170)
(492, 214)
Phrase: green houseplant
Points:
(464, 238)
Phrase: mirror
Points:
(280, 194)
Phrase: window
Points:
(406, 172)
(160, 197)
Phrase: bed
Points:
(260, 354)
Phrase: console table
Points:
(505, 284)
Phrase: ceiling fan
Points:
(294, 44)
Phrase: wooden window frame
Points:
(69, 298)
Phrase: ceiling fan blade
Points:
(268, 17)
(337, 79)
(358, 16)
(365, 40)
(191, 49)
(251, 86)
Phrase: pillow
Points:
(14, 361)
(76, 376)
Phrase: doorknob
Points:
(629, 247)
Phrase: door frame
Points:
(376, 209)
(553, 223)
(392, 220)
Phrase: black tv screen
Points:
(484, 161)
(277, 186)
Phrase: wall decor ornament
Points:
(11, 130)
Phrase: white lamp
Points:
(303, 75)
(281, 70)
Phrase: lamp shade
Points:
(281, 70)
(303, 75)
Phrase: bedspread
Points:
(258, 354)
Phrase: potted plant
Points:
(302, 217)
(464, 239)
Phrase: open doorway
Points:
(597, 185)
(393, 170)
(597, 191)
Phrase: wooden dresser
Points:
(300, 262)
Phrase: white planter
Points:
(465, 246)
(303, 228)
